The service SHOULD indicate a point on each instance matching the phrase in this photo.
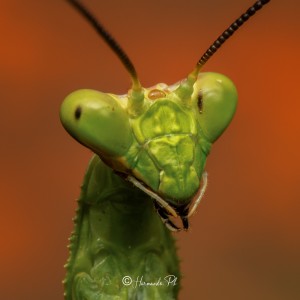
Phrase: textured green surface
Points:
(166, 144)
(117, 234)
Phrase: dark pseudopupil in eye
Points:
(78, 113)
(200, 102)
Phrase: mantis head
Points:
(158, 138)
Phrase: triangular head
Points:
(158, 138)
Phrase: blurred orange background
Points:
(244, 242)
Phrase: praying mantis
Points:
(148, 172)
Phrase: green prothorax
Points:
(119, 245)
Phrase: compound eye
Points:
(77, 113)
(217, 99)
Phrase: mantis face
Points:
(157, 138)
(163, 142)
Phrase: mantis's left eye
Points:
(77, 113)
(200, 101)
(217, 99)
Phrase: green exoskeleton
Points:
(150, 150)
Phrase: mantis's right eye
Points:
(98, 121)
(77, 113)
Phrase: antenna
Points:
(111, 42)
(229, 32)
